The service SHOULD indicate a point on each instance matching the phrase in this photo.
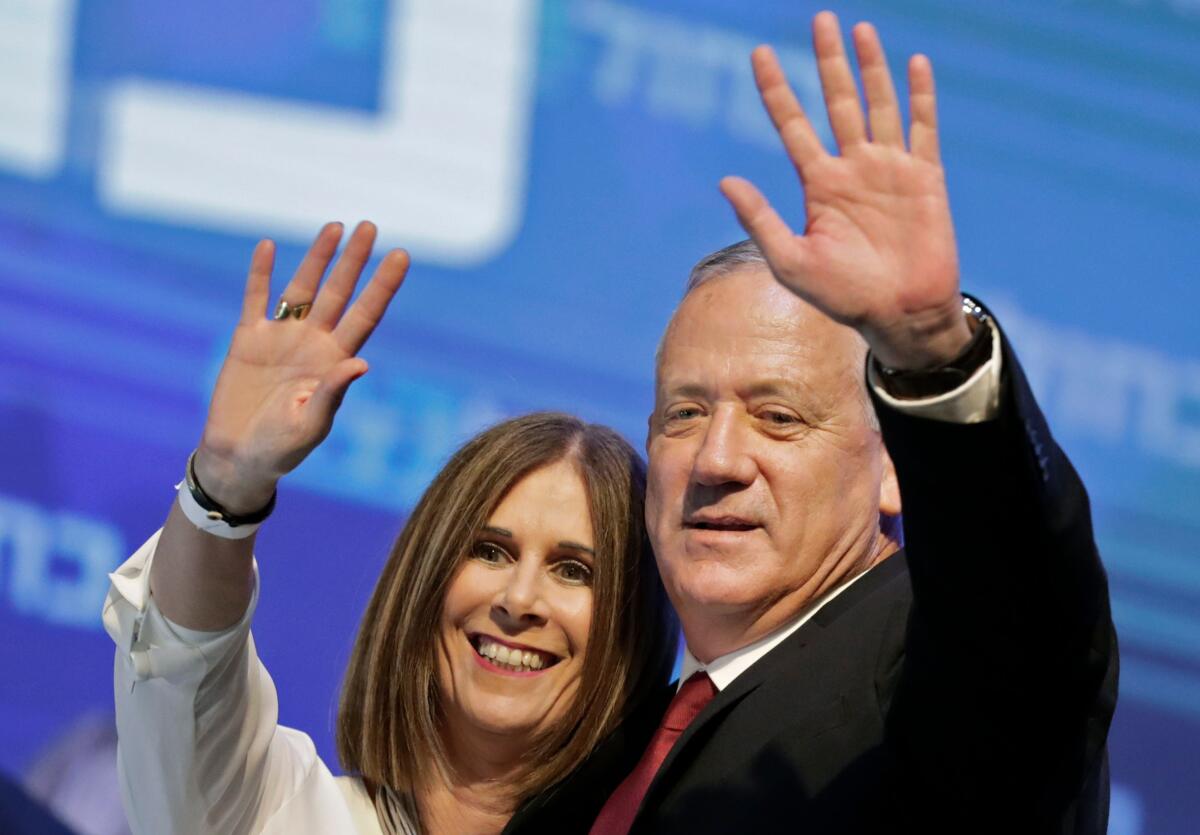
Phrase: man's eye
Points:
(489, 552)
(683, 413)
(781, 418)
(573, 572)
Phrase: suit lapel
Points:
(781, 665)
(738, 690)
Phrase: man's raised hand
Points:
(878, 252)
(283, 380)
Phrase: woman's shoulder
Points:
(366, 816)
(358, 801)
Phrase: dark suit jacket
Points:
(965, 684)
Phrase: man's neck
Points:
(712, 632)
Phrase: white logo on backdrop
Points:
(35, 42)
(440, 167)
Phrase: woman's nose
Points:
(520, 597)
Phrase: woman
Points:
(518, 617)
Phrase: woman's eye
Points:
(488, 552)
(575, 573)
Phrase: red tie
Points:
(618, 813)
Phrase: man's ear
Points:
(889, 488)
(649, 431)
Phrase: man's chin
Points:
(715, 585)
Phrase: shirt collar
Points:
(726, 668)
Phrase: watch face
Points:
(973, 309)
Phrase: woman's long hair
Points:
(391, 707)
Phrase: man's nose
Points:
(520, 598)
(723, 456)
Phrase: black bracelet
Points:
(214, 510)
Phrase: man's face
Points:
(765, 469)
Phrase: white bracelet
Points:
(209, 522)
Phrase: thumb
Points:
(333, 386)
(761, 222)
(786, 252)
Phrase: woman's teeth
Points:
(510, 658)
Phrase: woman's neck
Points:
(469, 808)
(476, 797)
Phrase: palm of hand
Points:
(878, 251)
(262, 406)
(879, 243)
(283, 380)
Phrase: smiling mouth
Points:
(510, 658)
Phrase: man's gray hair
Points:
(729, 259)
(726, 260)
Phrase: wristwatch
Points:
(930, 382)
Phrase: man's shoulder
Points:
(851, 640)
(883, 585)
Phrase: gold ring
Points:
(294, 311)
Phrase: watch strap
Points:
(931, 382)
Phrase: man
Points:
(842, 676)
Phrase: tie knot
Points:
(691, 698)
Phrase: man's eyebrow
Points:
(685, 390)
(768, 387)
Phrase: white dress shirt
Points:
(724, 669)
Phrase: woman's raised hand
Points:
(283, 379)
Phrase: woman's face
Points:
(515, 623)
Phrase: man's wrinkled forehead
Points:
(745, 324)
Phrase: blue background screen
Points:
(552, 167)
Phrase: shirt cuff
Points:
(149, 644)
(976, 400)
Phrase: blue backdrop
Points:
(552, 166)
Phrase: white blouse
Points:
(200, 749)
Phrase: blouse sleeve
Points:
(199, 750)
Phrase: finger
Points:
(327, 397)
(339, 287)
(883, 109)
(837, 82)
(762, 223)
(258, 283)
(922, 105)
(302, 289)
(784, 108)
(361, 319)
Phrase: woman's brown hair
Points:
(390, 714)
